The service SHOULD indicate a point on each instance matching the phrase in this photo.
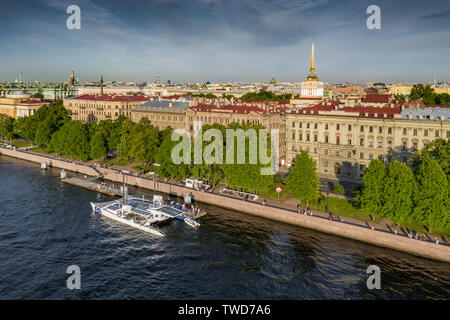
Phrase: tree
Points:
(431, 197)
(399, 186)
(98, 145)
(303, 180)
(163, 157)
(6, 127)
(144, 142)
(338, 189)
(123, 149)
(373, 181)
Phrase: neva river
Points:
(46, 226)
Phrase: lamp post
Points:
(154, 179)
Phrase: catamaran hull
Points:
(99, 210)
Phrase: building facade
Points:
(343, 141)
(162, 114)
(93, 107)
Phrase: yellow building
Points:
(20, 104)
(343, 140)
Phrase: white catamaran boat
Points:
(143, 213)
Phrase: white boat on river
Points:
(143, 213)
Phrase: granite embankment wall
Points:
(379, 238)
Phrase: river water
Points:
(46, 226)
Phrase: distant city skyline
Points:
(224, 41)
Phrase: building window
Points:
(326, 139)
(415, 132)
(326, 126)
(425, 133)
(404, 145)
(389, 130)
(315, 125)
(300, 125)
(293, 135)
(405, 131)
(338, 140)
(415, 146)
(349, 141)
(380, 130)
(448, 134)
(349, 127)
(361, 141)
(436, 133)
(370, 129)
(349, 154)
(370, 156)
(315, 138)
(338, 126)
(389, 144)
(307, 137)
(380, 143)
(361, 155)
(307, 125)
(361, 129)
(293, 124)
(370, 143)
(300, 136)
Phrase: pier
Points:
(90, 184)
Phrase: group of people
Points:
(306, 212)
(335, 218)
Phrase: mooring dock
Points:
(105, 188)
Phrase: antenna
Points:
(20, 74)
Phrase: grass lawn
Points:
(347, 209)
(20, 143)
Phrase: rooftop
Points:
(110, 97)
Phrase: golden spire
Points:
(312, 57)
(312, 70)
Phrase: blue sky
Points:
(225, 40)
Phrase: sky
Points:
(225, 40)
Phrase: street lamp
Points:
(154, 178)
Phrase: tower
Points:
(101, 85)
(312, 87)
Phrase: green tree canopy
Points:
(399, 186)
(372, 193)
(303, 180)
(432, 206)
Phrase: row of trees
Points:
(266, 95)
(428, 95)
(406, 195)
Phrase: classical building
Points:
(343, 140)
(312, 87)
(94, 107)
(162, 114)
(20, 104)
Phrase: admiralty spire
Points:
(312, 87)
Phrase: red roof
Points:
(377, 98)
(364, 112)
(110, 97)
